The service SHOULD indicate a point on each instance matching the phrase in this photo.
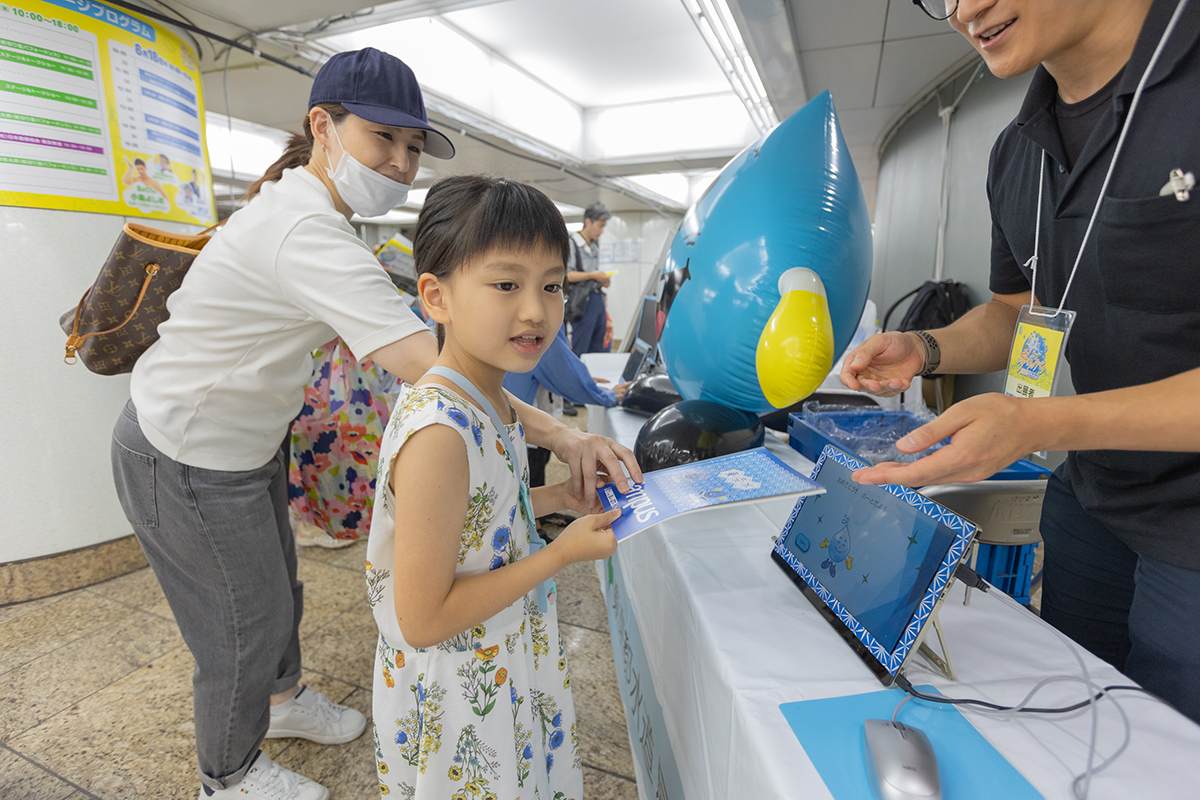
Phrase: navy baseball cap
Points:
(379, 88)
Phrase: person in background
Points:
(1121, 517)
(584, 276)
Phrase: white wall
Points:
(625, 294)
(56, 476)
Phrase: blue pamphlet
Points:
(736, 478)
(831, 733)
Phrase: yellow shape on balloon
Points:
(795, 349)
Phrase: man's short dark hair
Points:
(596, 212)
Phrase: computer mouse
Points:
(900, 761)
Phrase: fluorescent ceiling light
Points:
(416, 198)
(684, 188)
(690, 125)
(393, 217)
(455, 66)
(568, 210)
(720, 32)
(245, 151)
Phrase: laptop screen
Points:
(646, 330)
(879, 558)
(634, 364)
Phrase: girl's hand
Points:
(588, 453)
(588, 538)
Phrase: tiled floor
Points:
(97, 701)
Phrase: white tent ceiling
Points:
(875, 56)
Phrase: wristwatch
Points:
(933, 354)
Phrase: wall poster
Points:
(100, 110)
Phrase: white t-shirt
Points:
(285, 275)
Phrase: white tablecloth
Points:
(729, 638)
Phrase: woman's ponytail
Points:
(298, 151)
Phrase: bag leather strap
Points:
(75, 341)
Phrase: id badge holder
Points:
(1037, 349)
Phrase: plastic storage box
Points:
(809, 441)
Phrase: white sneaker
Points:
(309, 535)
(266, 780)
(310, 715)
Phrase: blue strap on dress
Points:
(535, 542)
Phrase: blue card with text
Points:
(736, 478)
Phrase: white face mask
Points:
(366, 191)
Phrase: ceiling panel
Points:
(909, 65)
(262, 15)
(264, 94)
(905, 21)
(863, 125)
(848, 72)
(600, 54)
(837, 23)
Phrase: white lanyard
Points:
(1137, 96)
(535, 542)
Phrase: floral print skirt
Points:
(335, 442)
(486, 715)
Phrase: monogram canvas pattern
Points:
(110, 329)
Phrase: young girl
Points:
(472, 694)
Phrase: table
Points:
(727, 638)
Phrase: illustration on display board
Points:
(839, 550)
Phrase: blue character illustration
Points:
(839, 550)
(1032, 362)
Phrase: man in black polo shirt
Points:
(1121, 519)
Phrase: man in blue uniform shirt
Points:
(1121, 519)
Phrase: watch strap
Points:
(933, 353)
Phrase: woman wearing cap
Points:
(197, 454)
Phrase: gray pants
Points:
(223, 551)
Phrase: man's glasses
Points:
(938, 9)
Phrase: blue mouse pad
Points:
(831, 733)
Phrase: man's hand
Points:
(987, 433)
(586, 454)
(885, 364)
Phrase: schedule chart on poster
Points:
(53, 121)
(157, 105)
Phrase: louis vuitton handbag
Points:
(118, 317)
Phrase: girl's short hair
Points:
(466, 215)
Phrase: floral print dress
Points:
(487, 714)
